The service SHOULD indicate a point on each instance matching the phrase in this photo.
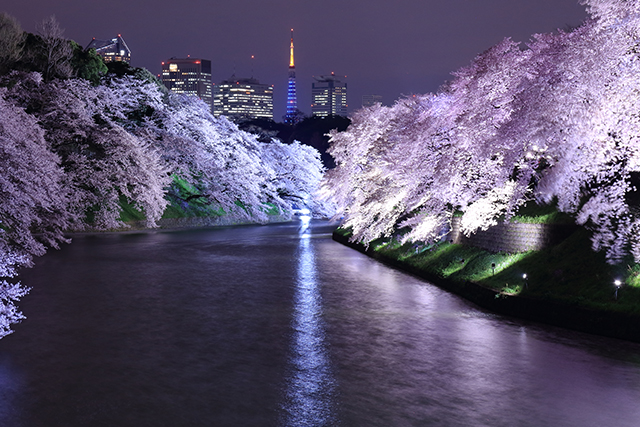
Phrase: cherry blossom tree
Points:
(32, 203)
(223, 161)
(235, 171)
(72, 152)
(421, 160)
(582, 118)
(104, 162)
(555, 123)
(297, 173)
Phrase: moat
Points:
(281, 326)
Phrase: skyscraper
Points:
(329, 96)
(243, 98)
(113, 50)
(189, 76)
(292, 100)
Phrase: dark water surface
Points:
(280, 326)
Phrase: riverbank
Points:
(564, 285)
(178, 216)
(168, 224)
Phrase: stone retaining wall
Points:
(512, 237)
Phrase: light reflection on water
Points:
(310, 385)
(279, 325)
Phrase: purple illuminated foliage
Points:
(72, 152)
(556, 122)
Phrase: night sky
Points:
(388, 48)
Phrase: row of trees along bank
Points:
(79, 142)
(554, 121)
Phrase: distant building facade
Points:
(370, 100)
(189, 76)
(113, 50)
(329, 96)
(242, 98)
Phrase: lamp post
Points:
(493, 268)
(618, 284)
(526, 282)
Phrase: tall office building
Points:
(329, 96)
(240, 98)
(292, 100)
(189, 76)
(113, 50)
(370, 100)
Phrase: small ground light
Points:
(493, 268)
(618, 283)
(526, 282)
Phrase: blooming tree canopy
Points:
(556, 122)
(74, 152)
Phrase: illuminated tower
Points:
(292, 100)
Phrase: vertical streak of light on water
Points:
(310, 384)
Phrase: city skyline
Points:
(383, 48)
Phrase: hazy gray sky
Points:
(384, 47)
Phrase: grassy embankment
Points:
(568, 273)
(184, 202)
